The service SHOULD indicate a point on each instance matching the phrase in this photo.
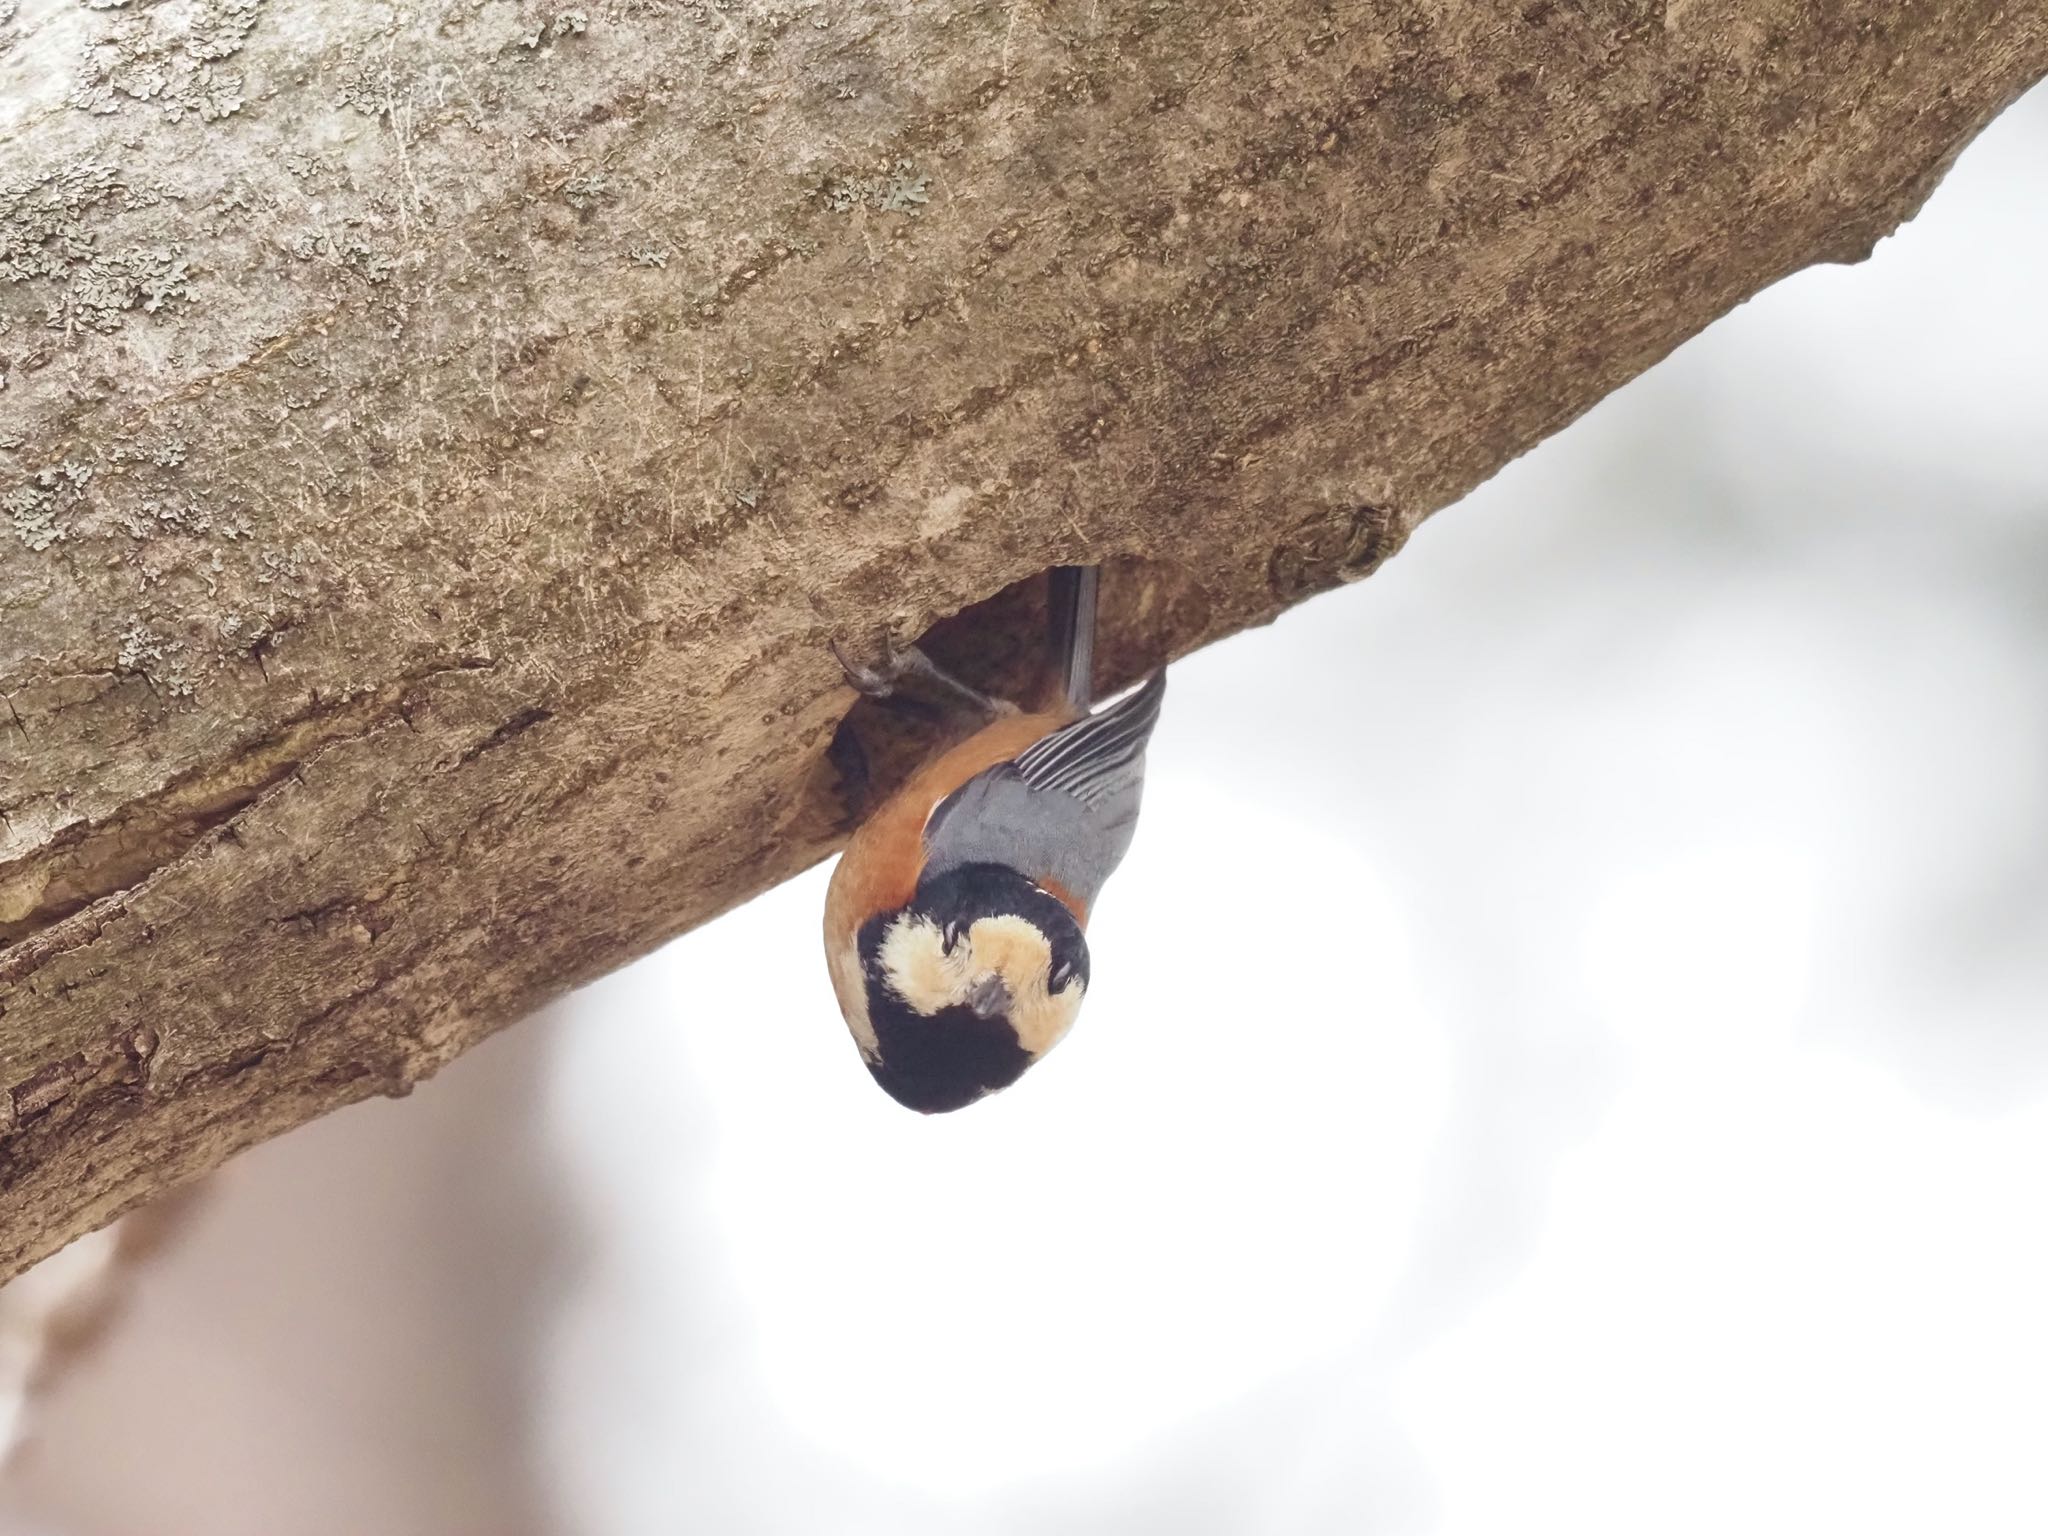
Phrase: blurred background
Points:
(1569, 1048)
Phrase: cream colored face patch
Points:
(914, 958)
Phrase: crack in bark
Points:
(91, 861)
(518, 725)
(95, 1083)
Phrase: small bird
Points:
(953, 925)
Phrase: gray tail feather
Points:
(1071, 609)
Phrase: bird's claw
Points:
(870, 682)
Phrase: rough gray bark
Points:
(436, 447)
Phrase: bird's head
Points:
(978, 976)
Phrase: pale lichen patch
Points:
(903, 188)
(145, 277)
(40, 231)
(33, 514)
(169, 55)
(586, 191)
(47, 235)
(167, 453)
(345, 249)
(367, 89)
(40, 511)
(162, 662)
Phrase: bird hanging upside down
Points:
(953, 925)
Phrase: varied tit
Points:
(953, 926)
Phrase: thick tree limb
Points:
(436, 449)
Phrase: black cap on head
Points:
(961, 895)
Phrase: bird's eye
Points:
(1061, 975)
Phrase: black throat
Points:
(936, 1062)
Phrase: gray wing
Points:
(1064, 809)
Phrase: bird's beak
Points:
(989, 997)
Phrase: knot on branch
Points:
(1335, 547)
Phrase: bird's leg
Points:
(881, 682)
(913, 662)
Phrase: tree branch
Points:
(434, 455)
